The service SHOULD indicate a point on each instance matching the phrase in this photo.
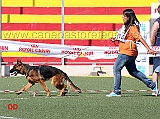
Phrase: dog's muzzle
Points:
(13, 72)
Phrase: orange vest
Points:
(129, 47)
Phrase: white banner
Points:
(69, 51)
(142, 63)
(154, 12)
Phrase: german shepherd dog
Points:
(40, 74)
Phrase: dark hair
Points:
(158, 9)
(132, 19)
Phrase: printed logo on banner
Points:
(142, 64)
(142, 69)
(141, 59)
(143, 27)
(77, 52)
(111, 53)
(4, 48)
(143, 30)
(138, 44)
(154, 12)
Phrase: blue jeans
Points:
(129, 62)
(156, 64)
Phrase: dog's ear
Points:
(19, 61)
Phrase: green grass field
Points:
(87, 105)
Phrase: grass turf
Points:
(87, 105)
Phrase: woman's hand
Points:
(113, 39)
(152, 52)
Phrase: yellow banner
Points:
(77, 3)
(22, 54)
(102, 35)
(108, 3)
(67, 18)
(17, 3)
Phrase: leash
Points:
(116, 42)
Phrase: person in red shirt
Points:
(128, 35)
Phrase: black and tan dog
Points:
(40, 74)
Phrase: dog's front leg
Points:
(25, 88)
(44, 87)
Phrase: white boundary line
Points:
(4, 117)
(83, 91)
(4, 99)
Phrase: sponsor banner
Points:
(142, 62)
(154, 12)
(145, 31)
(66, 51)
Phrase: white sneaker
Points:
(113, 95)
(155, 91)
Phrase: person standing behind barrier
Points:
(155, 41)
(128, 35)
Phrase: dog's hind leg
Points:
(25, 88)
(44, 87)
(63, 89)
(58, 82)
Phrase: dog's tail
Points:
(70, 83)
